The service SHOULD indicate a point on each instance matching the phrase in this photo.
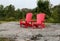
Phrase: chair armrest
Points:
(33, 21)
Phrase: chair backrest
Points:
(40, 18)
(28, 17)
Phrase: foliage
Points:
(44, 6)
(56, 14)
(9, 13)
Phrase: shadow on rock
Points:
(36, 37)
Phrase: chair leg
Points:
(20, 25)
(42, 25)
(34, 26)
(26, 25)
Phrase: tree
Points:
(1, 12)
(9, 11)
(44, 6)
(56, 13)
(25, 11)
(18, 14)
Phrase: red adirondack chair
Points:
(40, 21)
(26, 23)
